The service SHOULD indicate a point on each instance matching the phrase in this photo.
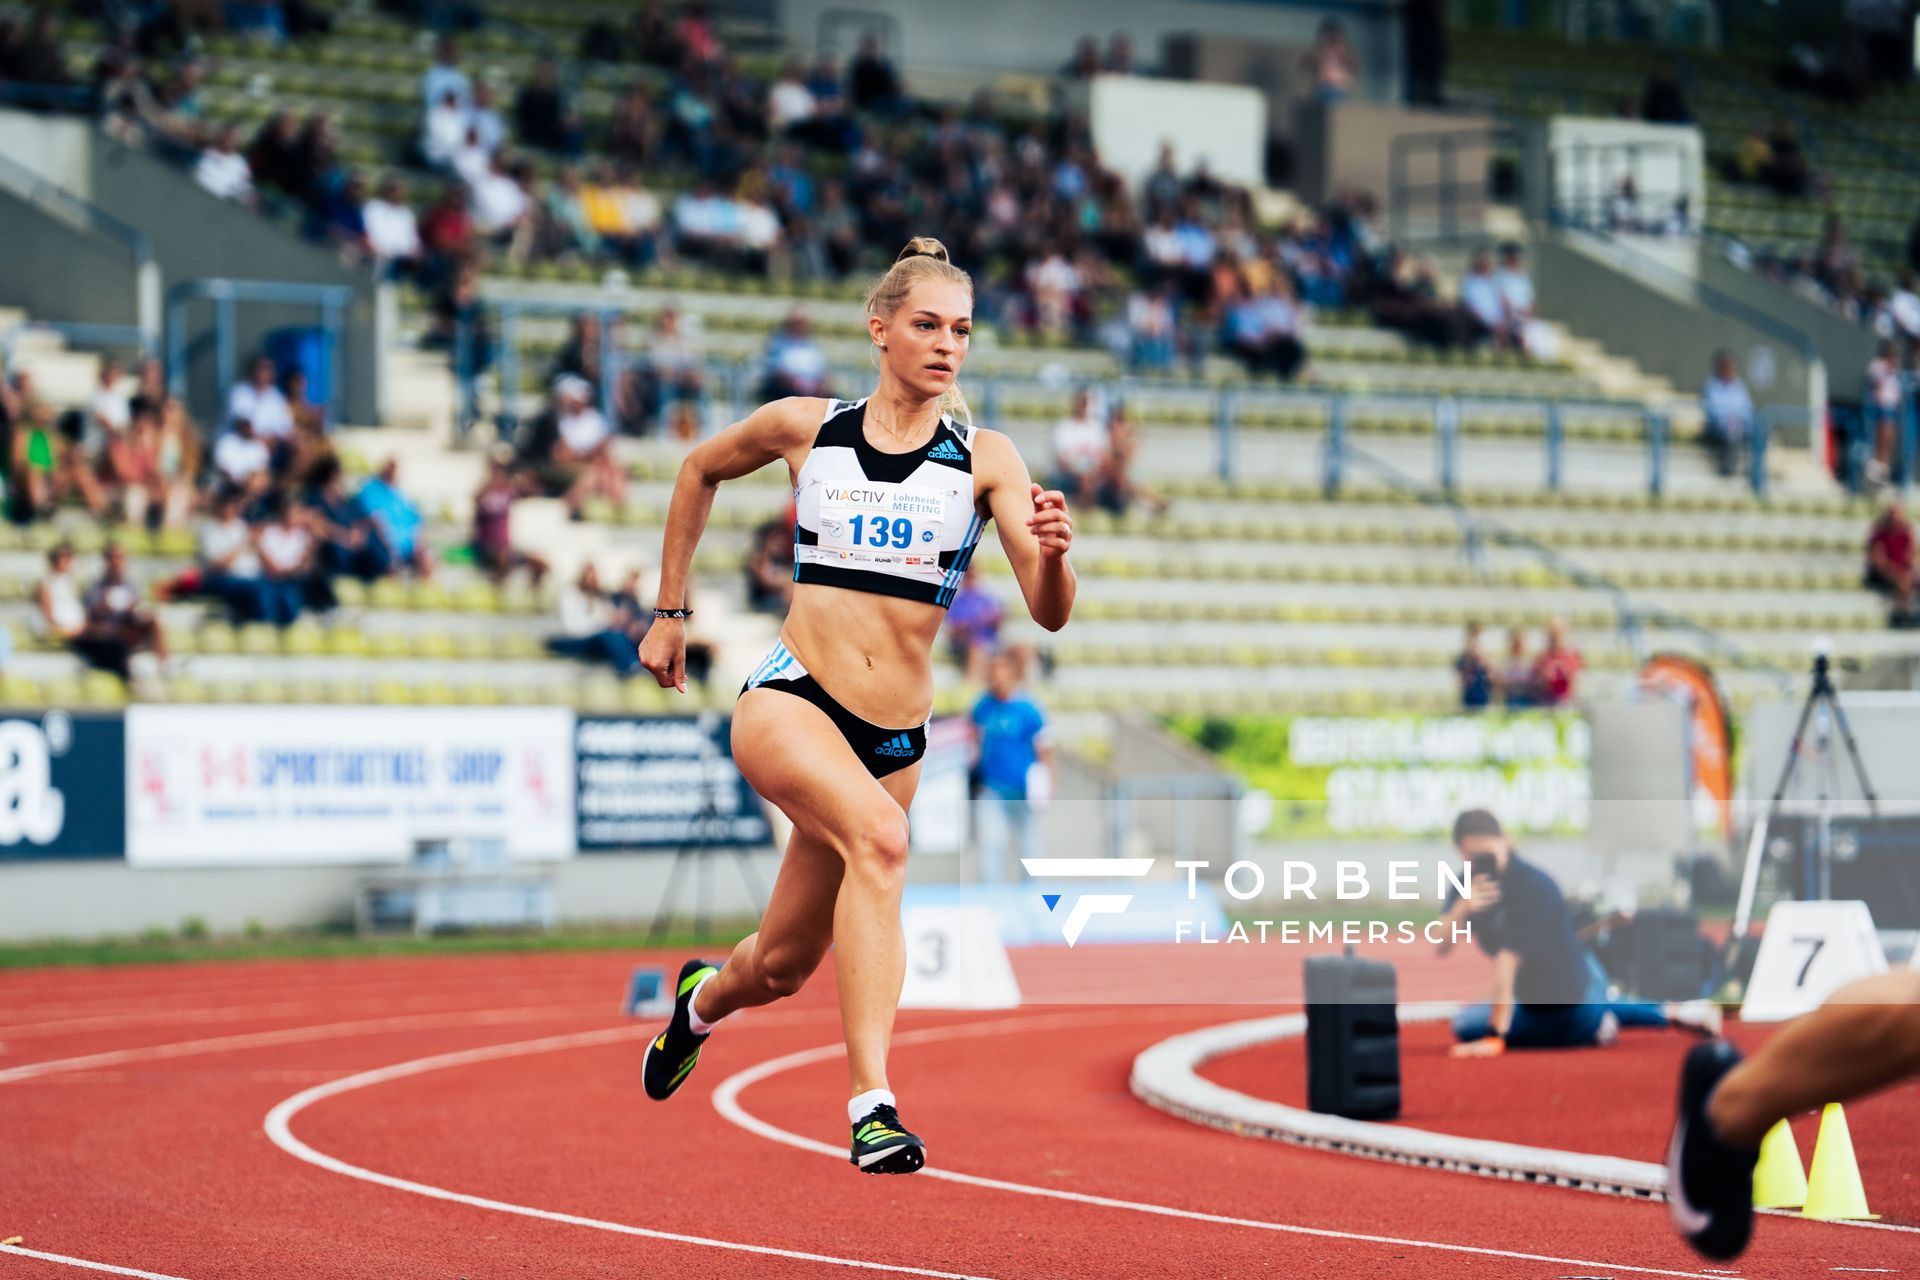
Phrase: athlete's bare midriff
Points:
(872, 653)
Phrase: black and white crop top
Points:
(899, 524)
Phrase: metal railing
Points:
(56, 201)
(736, 380)
(1593, 169)
(1631, 618)
(1858, 430)
(332, 300)
(1661, 275)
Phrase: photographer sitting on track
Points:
(1548, 990)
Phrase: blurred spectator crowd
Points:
(1521, 678)
(273, 515)
(819, 171)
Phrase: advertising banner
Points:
(663, 782)
(61, 794)
(1709, 736)
(276, 786)
(1374, 776)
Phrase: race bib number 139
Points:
(882, 521)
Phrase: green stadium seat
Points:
(306, 692)
(266, 691)
(185, 689)
(518, 645)
(392, 693)
(434, 645)
(100, 689)
(303, 640)
(347, 642)
(217, 637)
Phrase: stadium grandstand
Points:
(689, 170)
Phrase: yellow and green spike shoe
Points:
(880, 1145)
(672, 1054)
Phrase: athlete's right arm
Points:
(782, 430)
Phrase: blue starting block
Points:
(647, 993)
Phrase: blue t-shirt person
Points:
(398, 518)
(1008, 728)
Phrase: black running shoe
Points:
(1709, 1182)
(880, 1145)
(672, 1053)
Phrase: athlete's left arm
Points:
(1035, 528)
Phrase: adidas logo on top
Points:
(946, 452)
(898, 745)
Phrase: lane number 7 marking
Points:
(1814, 946)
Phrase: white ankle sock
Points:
(699, 1026)
(865, 1102)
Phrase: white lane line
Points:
(279, 1130)
(290, 1035)
(239, 1013)
(371, 1026)
(154, 993)
(65, 1261)
(726, 1102)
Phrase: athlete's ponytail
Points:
(924, 258)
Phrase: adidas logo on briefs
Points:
(946, 452)
(898, 745)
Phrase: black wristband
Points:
(673, 613)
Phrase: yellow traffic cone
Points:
(1779, 1179)
(1834, 1192)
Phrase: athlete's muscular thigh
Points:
(797, 926)
(791, 753)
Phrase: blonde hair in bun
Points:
(924, 258)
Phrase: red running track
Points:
(134, 1103)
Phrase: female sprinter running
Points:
(893, 494)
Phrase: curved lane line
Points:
(150, 1016)
(726, 1100)
(65, 1261)
(279, 1130)
(292, 1035)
